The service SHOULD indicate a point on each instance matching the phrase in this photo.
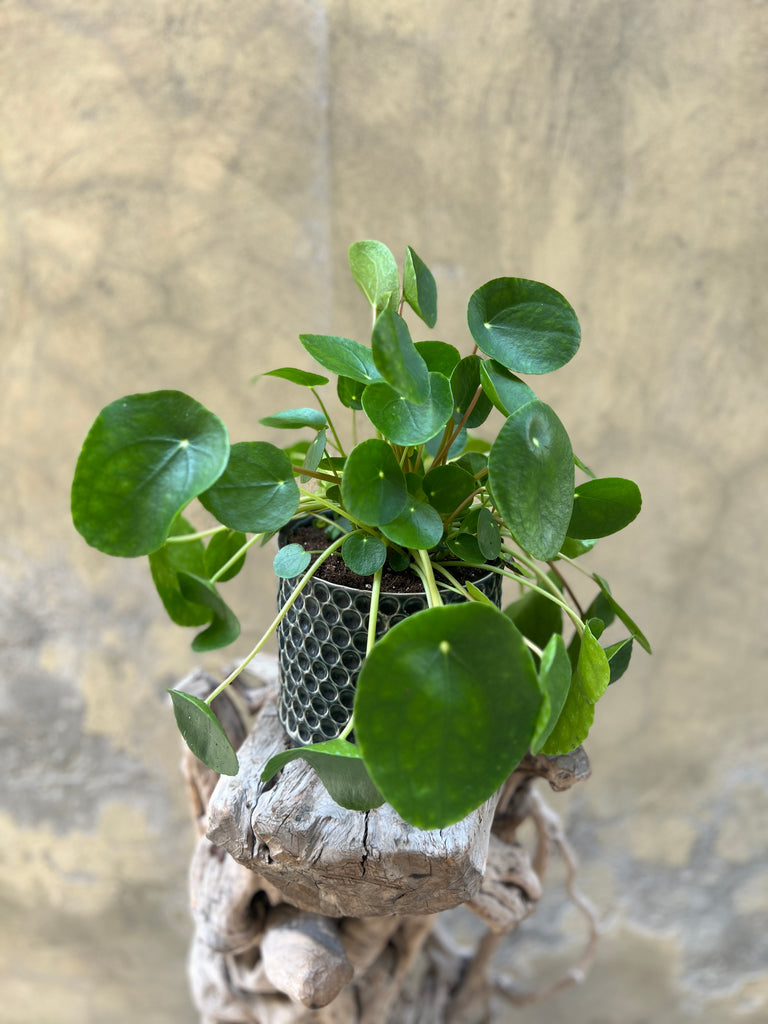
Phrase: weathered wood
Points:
(333, 861)
(309, 914)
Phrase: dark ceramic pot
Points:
(321, 646)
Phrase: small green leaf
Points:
(447, 486)
(144, 459)
(203, 733)
(488, 536)
(363, 553)
(373, 486)
(445, 708)
(342, 356)
(633, 628)
(340, 768)
(293, 419)
(619, 655)
(224, 629)
(398, 560)
(256, 493)
(465, 383)
(531, 474)
(573, 548)
(350, 392)
(404, 422)
(584, 469)
(503, 388)
(439, 356)
(167, 562)
(221, 548)
(291, 560)
(465, 547)
(527, 326)
(295, 376)
(397, 359)
(417, 526)
(315, 453)
(375, 272)
(419, 288)
(555, 681)
(602, 507)
(477, 595)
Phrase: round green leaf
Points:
(447, 486)
(292, 419)
(464, 546)
(342, 356)
(203, 733)
(291, 561)
(167, 562)
(340, 768)
(373, 486)
(439, 356)
(256, 493)
(504, 389)
(446, 705)
(531, 475)
(144, 459)
(397, 359)
(527, 326)
(350, 392)
(363, 553)
(375, 272)
(602, 507)
(405, 422)
(465, 381)
(296, 376)
(419, 288)
(418, 526)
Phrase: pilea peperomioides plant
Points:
(449, 700)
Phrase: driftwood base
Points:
(306, 912)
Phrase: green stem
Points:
(467, 501)
(551, 591)
(238, 554)
(182, 538)
(373, 616)
(427, 574)
(339, 445)
(445, 446)
(278, 618)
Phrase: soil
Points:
(315, 539)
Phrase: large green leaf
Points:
(165, 565)
(397, 359)
(527, 326)
(417, 526)
(373, 486)
(531, 475)
(203, 733)
(419, 288)
(341, 769)
(404, 422)
(342, 356)
(257, 492)
(603, 506)
(375, 271)
(224, 629)
(445, 708)
(144, 459)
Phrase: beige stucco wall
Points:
(180, 181)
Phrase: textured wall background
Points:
(180, 181)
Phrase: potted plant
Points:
(448, 701)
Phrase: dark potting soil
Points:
(315, 539)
